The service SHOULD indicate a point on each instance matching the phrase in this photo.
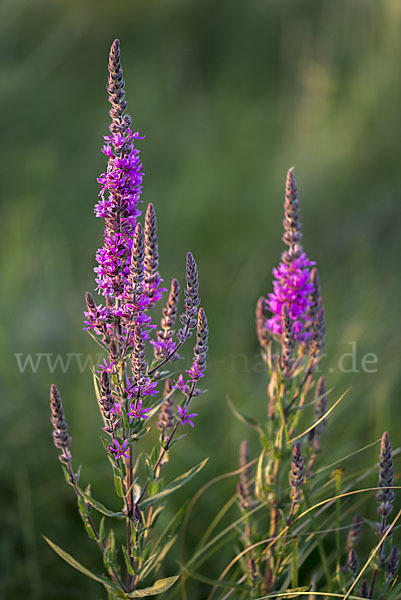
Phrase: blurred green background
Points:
(229, 95)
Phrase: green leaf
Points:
(146, 566)
(155, 487)
(160, 586)
(175, 484)
(99, 343)
(66, 475)
(118, 486)
(139, 434)
(128, 561)
(96, 386)
(74, 563)
(259, 479)
(84, 512)
(101, 529)
(109, 555)
(156, 559)
(99, 507)
(137, 462)
(178, 439)
(242, 416)
(161, 555)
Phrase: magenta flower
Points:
(120, 450)
(116, 410)
(292, 287)
(107, 366)
(185, 417)
(181, 385)
(146, 387)
(121, 186)
(164, 347)
(138, 412)
(195, 372)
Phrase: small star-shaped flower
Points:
(185, 417)
(120, 449)
(138, 412)
(180, 384)
(195, 372)
(107, 366)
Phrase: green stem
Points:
(90, 521)
(295, 563)
(282, 416)
(130, 511)
(167, 445)
(338, 476)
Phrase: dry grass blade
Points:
(375, 549)
(297, 518)
(322, 418)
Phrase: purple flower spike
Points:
(120, 450)
(138, 412)
(60, 429)
(293, 286)
(185, 417)
(192, 300)
(121, 187)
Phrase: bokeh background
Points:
(229, 95)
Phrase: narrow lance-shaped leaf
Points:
(127, 561)
(74, 563)
(109, 555)
(99, 506)
(160, 586)
(175, 484)
(156, 559)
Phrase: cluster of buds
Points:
(292, 220)
(287, 341)
(107, 404)
(262, 331)
(392, 565)
(353, 562)
(166, 414)
(188, 318)
(151, 262)
(355, 532)
(364, 589)
(61, 438)
(297, 470)
(200, 351)
(320, 405)
(164, 346)
(385, 496)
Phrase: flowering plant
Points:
(287, 540)
(131, 387)
(286, 484)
